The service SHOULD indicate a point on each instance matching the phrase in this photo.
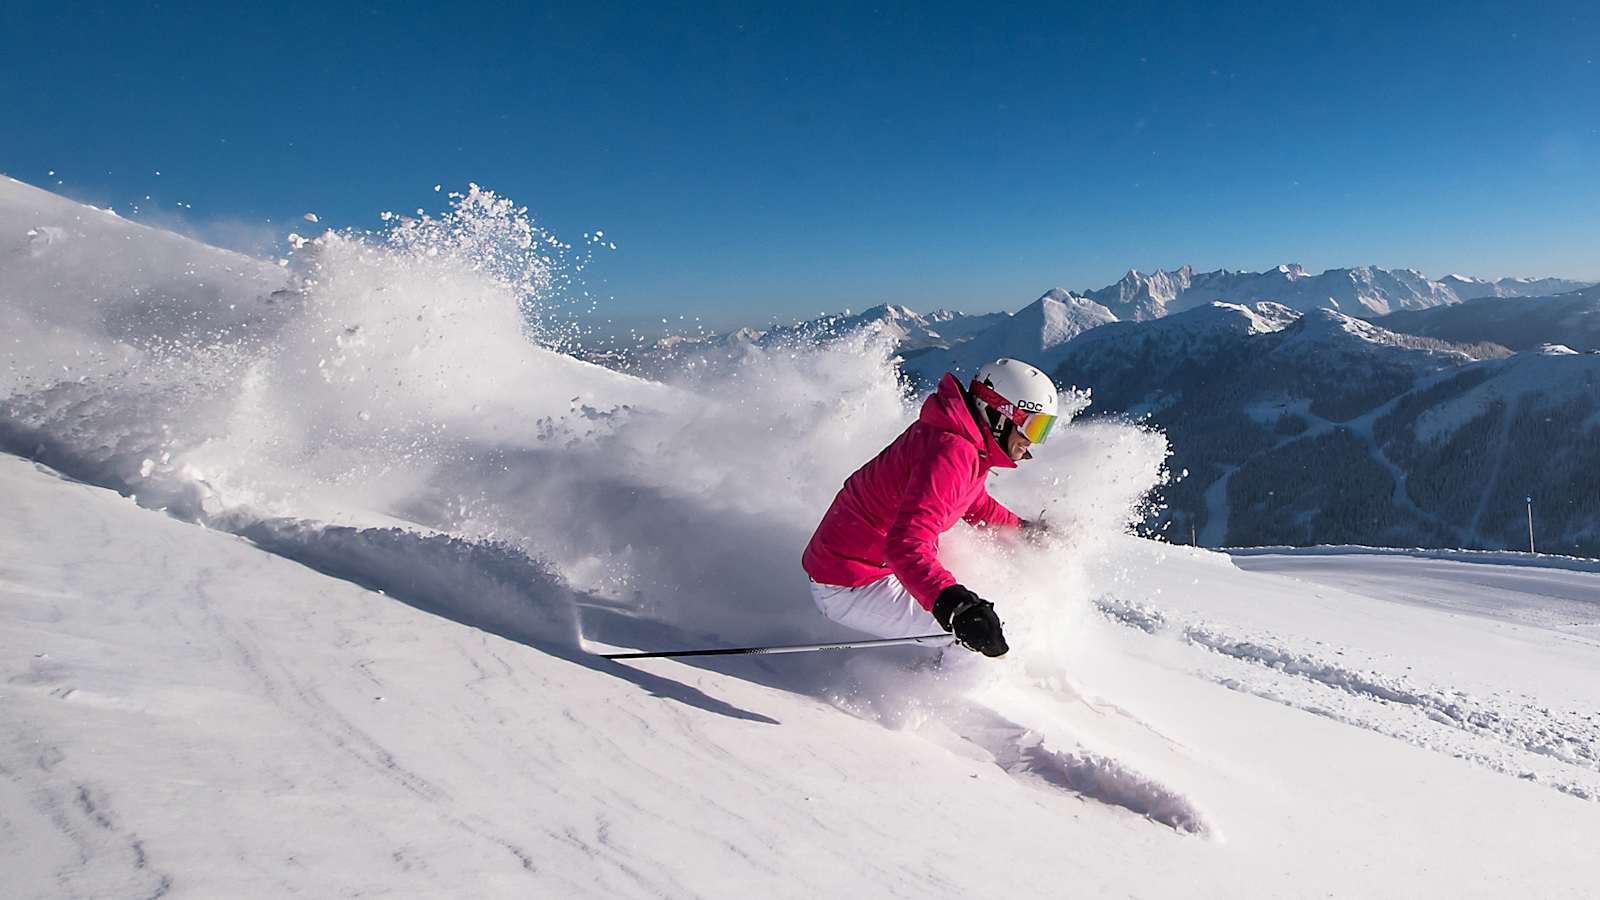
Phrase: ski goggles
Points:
(1035, 426)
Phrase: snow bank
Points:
(85, 293)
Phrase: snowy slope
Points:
(136, 287)
(195, 717)
(1340, 340)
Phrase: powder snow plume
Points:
(413, 383)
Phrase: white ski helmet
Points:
(1010, 394)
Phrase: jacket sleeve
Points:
(987, 511)
(932, 499)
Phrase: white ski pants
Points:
(882, 608)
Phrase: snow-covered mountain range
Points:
(1467, 287)
(951, 341)
(1360, 291)
(1324, 428)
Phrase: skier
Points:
(874, 559)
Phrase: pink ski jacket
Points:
(888, 516)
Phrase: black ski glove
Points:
(971, 619)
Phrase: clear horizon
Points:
(759, 164)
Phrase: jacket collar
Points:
(950, 409)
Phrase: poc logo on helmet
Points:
(1030, 406)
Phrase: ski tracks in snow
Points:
(1502, 730)
(105, 858)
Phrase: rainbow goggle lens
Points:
(1035, 426)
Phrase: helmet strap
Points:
(997, 425)
(998, 421)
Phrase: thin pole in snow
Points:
(1530, 525)
(933, 639)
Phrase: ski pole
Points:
(934, 639)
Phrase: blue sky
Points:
(763, 161)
